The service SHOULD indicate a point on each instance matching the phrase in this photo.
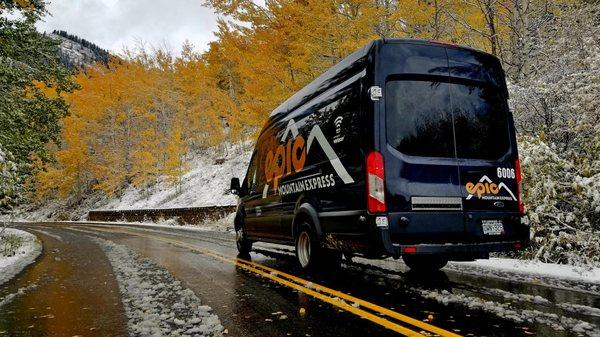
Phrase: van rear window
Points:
(440, 119)
(419, 122)
(480, 122)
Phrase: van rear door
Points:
(423, 194)
(485, 144)
(483, 148)
(449, 147)
(422, 173)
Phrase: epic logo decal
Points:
(291, 156)
(288, 157)
(487, 190)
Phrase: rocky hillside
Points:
(76, 52)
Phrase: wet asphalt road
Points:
(75, 292)
(70, 290)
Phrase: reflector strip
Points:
(436, 203)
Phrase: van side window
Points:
(250, 180)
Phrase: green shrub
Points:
(10, 244)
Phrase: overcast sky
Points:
(113, 24)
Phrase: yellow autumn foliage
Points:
(137, 119)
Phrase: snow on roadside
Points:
(155, 302)
(591, 275)
(582, 309)
(20, 292)
(505, 310)
(30, 249)
(527, 271)
(570, 277)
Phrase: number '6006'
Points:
(504, 172)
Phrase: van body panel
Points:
(331, 128)
(448, 142)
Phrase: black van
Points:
(404, 148)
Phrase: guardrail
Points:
(189, 215)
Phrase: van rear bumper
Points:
(456, 249)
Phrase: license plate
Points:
(492, 227)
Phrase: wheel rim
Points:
(239, 237)
(303, 248)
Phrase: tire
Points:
(244, 245)
(425, 263)
(309, 253)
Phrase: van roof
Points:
(320, 84)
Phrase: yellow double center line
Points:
(336, 298)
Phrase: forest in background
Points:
(140, 118)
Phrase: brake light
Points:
(410, 250)
(375, 185)
(519, 186)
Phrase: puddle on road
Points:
(74, 293)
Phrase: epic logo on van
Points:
(487, 190)
(287, 157)
(290, 156)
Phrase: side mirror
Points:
(235, 186)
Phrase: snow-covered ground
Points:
(206, 184)
(511, 311)
(155, 302)
(527, 271)
(584, 279)
(536, 268)
(29, 250)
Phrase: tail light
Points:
(409, 250)
(375, 185)
(519, 186)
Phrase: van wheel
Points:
(425, 263)
(244, 245)
(310, 254)
(307, 247)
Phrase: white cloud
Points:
(114, 24)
